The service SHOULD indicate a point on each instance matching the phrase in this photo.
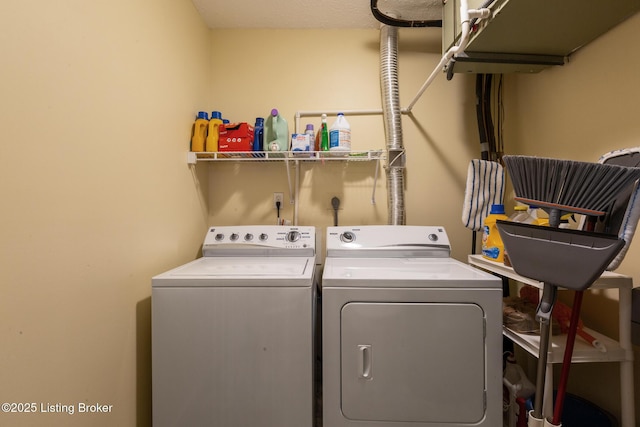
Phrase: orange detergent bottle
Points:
(492, 246)
(213, 134)
(199, 132)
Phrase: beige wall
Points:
(323, 70)
(97, 100)
(581, 111)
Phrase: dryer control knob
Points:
(433, 237)
(248, 237)
(347, 237)
(219, 236)
(234, 237)
(293, 236)
(263, 237)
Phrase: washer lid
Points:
(404, 272)
(252, 271)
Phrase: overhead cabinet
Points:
(530, 35)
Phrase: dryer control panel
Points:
(259, 240)
(388, 241)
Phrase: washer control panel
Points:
(260, 238)
(388, 241)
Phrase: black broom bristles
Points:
(568, 185)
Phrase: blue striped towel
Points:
(485, 187)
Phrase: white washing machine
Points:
(232, 332)
(410, 335)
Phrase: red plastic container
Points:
(235, 137)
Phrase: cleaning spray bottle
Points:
(324, 134)
(276, 132)
(213, 134)
(492, 246)
(199, 132)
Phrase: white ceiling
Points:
(322, 14)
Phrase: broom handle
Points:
(571, 339)
(554, 218)
(543, 315)
(568, 352)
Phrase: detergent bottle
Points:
(199, 132)
(492, 246)
(519, 388)
(312, 136)
(258, 135)
(534, 212)
(276, 132)
(214, 129)
(340, 135)
(519, 214)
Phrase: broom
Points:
(565, 186)
(558, 187)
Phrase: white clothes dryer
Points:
(410, 335)
(232, 332)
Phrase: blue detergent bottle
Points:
(258, 135)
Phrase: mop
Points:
(559, 257)
(626, 211)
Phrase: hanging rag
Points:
(485, 187)
(624, 213)
(629, 221)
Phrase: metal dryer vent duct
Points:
(392, 123)
(390, 92)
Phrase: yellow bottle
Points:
(213, 134)
(199, 132)
(537, 220)
(492, 246)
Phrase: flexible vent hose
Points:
(392, 123)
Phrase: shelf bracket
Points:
(291, 189)
(375, 181)
(192, 158)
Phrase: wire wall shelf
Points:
(284, 156)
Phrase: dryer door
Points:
(413, 362)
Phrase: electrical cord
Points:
(278, 210)
(500, 118)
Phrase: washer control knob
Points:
(433, 237)
(263, 237)
(293, 236)
(219, 237)
(347, 237)
(234, 237)
(248, 237)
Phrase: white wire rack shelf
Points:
(280, 156)
(620, 350)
